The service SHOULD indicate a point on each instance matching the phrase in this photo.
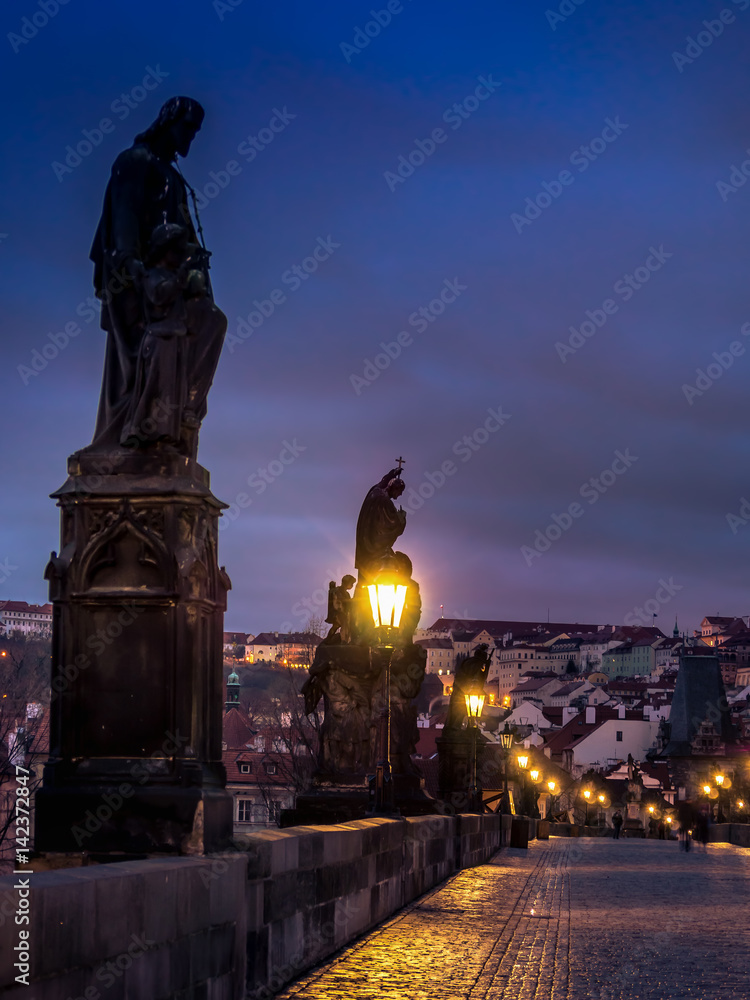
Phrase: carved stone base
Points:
(138, 601)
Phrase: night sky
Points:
(574, 172)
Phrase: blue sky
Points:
(652, 187)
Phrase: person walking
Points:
(616, 824)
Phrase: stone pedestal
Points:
(456, 768)
(138, 597)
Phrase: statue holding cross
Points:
(379, 524)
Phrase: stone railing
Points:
(229, 925)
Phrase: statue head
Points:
(348, 581)
(175, 127)
(395, 488)
(403, 565)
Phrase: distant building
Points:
(31, 619)
(292, 649)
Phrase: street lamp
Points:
(587, 796)
(474, 698)
(523, 763)
(601, 806)
(552, 785)
(719, 779)
(506, 742)
(387, 597)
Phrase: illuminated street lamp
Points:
(601, 801)
(387, 597)
(474, 698)
(506, 742)
(719, 779)
(587, 797)
(534, 774)
(551, 785)
(522, 759)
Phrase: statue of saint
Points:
(340, 610)
(379, 524)
(164, 333)
(472, 671)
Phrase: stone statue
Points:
(340, 611)
(413, 604)
(344, 677)
(379, 524)
(164, 333)
(472, 671)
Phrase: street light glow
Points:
(523, 760)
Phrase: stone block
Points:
(227, 889)
(254, 897)
(179, 964)
(159, 905)
(259, 860)
(68, 922)
(311, 847)
(285, 894)
(343, 843)
(257, 958)
(149, 976)
(224, 988)
(120, 912)
(190, 886)
(221, 951)
(200, 956)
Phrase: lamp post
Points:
(601, 806)
(551, 785)
(587, 796)
(719, 779)
(523, 763)
(474, 704)
(387, 597)
(506, 741)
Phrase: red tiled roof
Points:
(236, 731)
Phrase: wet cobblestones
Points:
(587, 919)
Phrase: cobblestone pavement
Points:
(588, 919)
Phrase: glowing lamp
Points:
(506, 738)
(386, 603)
(601, 798)
(551, 785)
(719, 779)
(523, 760)
(474, 703)
(650, 809)
(534, 775)
(707, 789)
(587, 794)
(741, 804)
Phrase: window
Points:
(274, 812)
(244, 810)
(618, 735)
(246, 768)
(270, 768)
